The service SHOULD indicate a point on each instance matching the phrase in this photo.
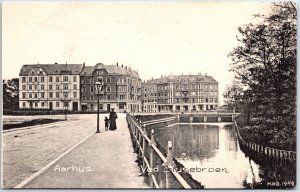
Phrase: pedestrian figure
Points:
(112, 117)
(106, 123)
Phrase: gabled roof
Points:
(53, 69)
(114, 69)
(87, 71)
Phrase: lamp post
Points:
(98, 86)
(65, 106)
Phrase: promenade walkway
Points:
(104, 160)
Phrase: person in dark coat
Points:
(112, 118)
(106, 123)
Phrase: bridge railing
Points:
(269, 151)
(151, 157)
(188, 112)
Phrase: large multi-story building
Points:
(72, 87)
(50, 86)
(180, 93)
(121, 88)
(150, 96)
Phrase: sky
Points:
(157, 38)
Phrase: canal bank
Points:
(213, 148)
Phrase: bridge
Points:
(198, 117)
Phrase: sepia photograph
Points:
(149, 95)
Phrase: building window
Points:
(42, 104)
(206, 100)
(57, 78)
(74, 79)
(92, 89)
(50, 79)
(36, 104)
(122, 97)
(57, 87)
(65, 86)
(30, 95)
(82, 80)
(42, 87)
(42, 79)
(24, 95)
(211, 100)
(24, 104)
(30, 87)
(74, 86)
(23, 79)
(35, 87)
(30, 79)
(42, 95)
(57, 94)
(65, 78)
(108, 80)
(35, 79)
(66, 95)
(23, 87)
(50, 95)
(75, 94)
(50, 87)
(108, 97)
(108, 88)
(92, 97)
(83, 97)
(100, 106)
(57, 104)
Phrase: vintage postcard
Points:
(149, 95)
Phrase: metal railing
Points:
(162, 178)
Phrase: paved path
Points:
(104, 160)
(27, 151)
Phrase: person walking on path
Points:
(112, 117)
(106, 123)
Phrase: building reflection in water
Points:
(211, 148)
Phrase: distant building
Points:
(122, 88)
(180, 93)
(72, 86)
(150, 96)
(50, 86)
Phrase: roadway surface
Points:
(104, 160)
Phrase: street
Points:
(29, 150)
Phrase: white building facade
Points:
(50, 86)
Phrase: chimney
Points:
(117, 64)
(55, 63)
(125, 67)
(83, 64)
(122, 66)
(205, 74)
(152, 78)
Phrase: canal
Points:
(212, 155)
